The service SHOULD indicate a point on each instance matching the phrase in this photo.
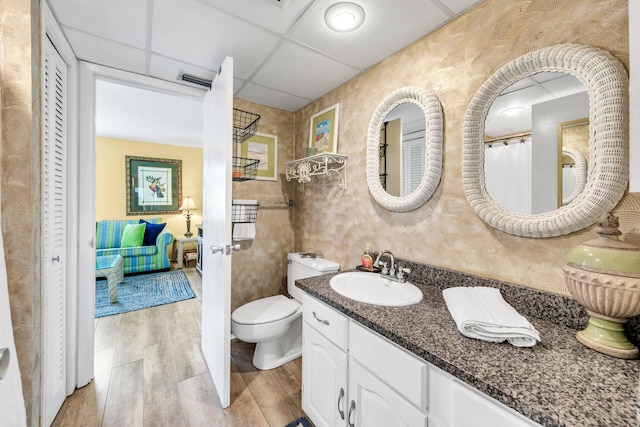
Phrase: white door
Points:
(216, 223)
(54, 145)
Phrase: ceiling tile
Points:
(388, 27)
(272, 98)
(267, 14)
(298, 70)
(203, 36)
(104, 52)
(120, 20)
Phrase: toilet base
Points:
(271, 354)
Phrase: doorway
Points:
(92, 77)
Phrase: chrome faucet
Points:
(391, 272)
(377, 263)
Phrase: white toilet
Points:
(275, 323)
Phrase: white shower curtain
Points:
(507, 171)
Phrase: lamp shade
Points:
(188, 204)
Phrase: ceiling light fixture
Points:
(344, 17)
(512, 111)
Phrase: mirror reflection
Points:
(402, 149)
(526, 129)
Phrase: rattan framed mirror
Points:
(432, 165)
(606, 81)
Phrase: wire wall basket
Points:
(245, 125)
(244, 168)
(244, 211)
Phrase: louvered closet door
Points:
(413, 160)
(54, 144)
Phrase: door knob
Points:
(215, 249)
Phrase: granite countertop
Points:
(558, 382)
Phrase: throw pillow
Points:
(132, 235)
(151, 232)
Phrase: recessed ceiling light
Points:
(344, 17)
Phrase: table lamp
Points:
(187, 205)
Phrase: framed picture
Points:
(263, 147)
(323, 130)
(154, 186)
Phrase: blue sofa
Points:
(136, 259)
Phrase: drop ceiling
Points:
(284, 54)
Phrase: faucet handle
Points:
(385, 269)
(402, 271)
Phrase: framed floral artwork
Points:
(154, 186)
(263, 147)
(323, 130)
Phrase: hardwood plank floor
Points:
(149, 371)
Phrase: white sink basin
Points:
(374, 289)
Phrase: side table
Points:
(178, 248)
(111, 267)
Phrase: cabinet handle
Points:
(351, 409)
(326, 322)
(340, 411)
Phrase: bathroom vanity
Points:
(367, 365)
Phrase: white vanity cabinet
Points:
(455, 404)
(387, 385)
(354, 377)
(324, 364)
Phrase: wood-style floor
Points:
(149, 371)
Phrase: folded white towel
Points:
(244, 231)
(482, 313)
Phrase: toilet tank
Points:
(301, 267)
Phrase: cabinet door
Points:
(372, 403)
(324, 380)
(455, 404)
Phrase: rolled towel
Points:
(482, 313)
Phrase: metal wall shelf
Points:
(319, 164)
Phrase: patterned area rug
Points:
(143, 291)
(300, 422)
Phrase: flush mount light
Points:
(344, 17)
(513, 111)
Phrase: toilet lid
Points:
(265, 310)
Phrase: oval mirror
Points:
(404, 149)
(606, 82)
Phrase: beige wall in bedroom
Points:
(111, 192)
(452, 62)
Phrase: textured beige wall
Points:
(20, 184)
(452, 62)
(110, 179)
(260, 268)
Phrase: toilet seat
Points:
(265, 310)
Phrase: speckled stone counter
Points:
(559, 382)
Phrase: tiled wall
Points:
(452, 62)
(20, 157)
